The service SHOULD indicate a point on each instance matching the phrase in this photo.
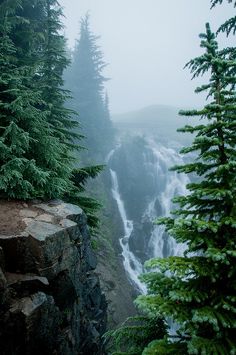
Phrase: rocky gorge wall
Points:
(119, 292)
(50, 296)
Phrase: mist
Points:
(146, 44)
(117, 177)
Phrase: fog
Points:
(147, 43)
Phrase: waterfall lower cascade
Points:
(132, 265)
(157, 159)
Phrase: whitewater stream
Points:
(172, 184)
(132, 265)
(158, 159)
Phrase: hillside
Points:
(163, 121)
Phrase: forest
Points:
(150, 268)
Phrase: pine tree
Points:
(86, 81)
(198, 291)
(33, 160)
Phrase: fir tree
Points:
(34, 162)
(20, 176)
(86, 81)
(27, 35)
(134, 335)
(198, 291)
(229, 27)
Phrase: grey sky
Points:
(147, 43)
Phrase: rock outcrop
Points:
(50, 296)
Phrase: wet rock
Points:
(91, 259)
(139, 238)
(34, 323)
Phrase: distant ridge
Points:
(160, 120)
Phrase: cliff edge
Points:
(50, 296)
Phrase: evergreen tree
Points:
(20, 176)
(134, 335)
(86, 81)
(34, 161)
(198, 291)
(27, 34)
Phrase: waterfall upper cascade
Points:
(148, 161)
(172, 184)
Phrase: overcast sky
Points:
(147, 43)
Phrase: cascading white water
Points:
(158, 159)
(172, 184)
(132, 265)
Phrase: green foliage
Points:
(198, 290)
(134, 335)
(35, 158)
(230, 25)
(164, 347)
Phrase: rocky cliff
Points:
(50, 296)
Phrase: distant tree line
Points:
(197, 291)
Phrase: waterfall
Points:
(131, 264)
(157, 159)
(169, 184)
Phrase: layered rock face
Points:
(50, 296)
